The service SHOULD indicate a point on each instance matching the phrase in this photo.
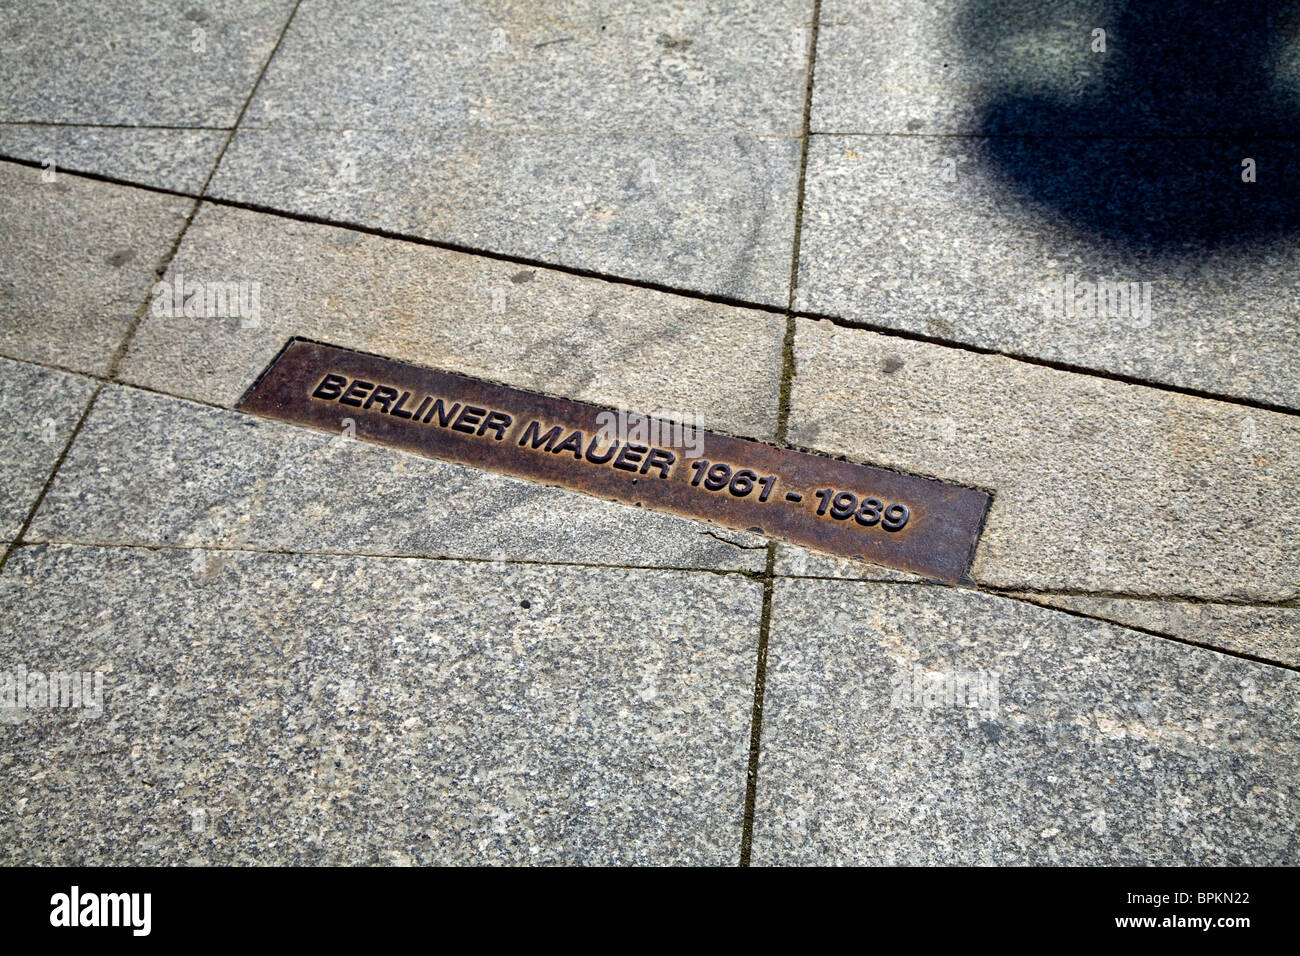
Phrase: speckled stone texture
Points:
(1100, 745)
(532, 328)
(570, 65)
(39, 408)
(176, 159)
(1271, 633)
(157, 471)
(282, 709)
(77, 260)
(921, 234)
(155, 63)
(1099, 485)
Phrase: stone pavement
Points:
(955, 238)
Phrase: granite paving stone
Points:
(77, 260)
(568, 65)
(916, 233)
(157, 471)
(154, 64)
(176, 159)
(547, 331)
(710, 213)
(263, 709)
(39, 408)
(1272, 633)
(1098, 485)
(911, 724)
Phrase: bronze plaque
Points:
(890, 518)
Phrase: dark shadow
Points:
(1148, 151)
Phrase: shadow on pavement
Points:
(1186, 92)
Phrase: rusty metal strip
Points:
(886, 517)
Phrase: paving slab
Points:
(713, 214)
(571, 65)
(551, 332)
(1272, 633)
(918, 233)
(157, 471)
(158, 64)
(1099, 486)
(270, 709)
(177, 159)
(1028, 66)
(77, 260)
(911, 724)
(39, 408)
